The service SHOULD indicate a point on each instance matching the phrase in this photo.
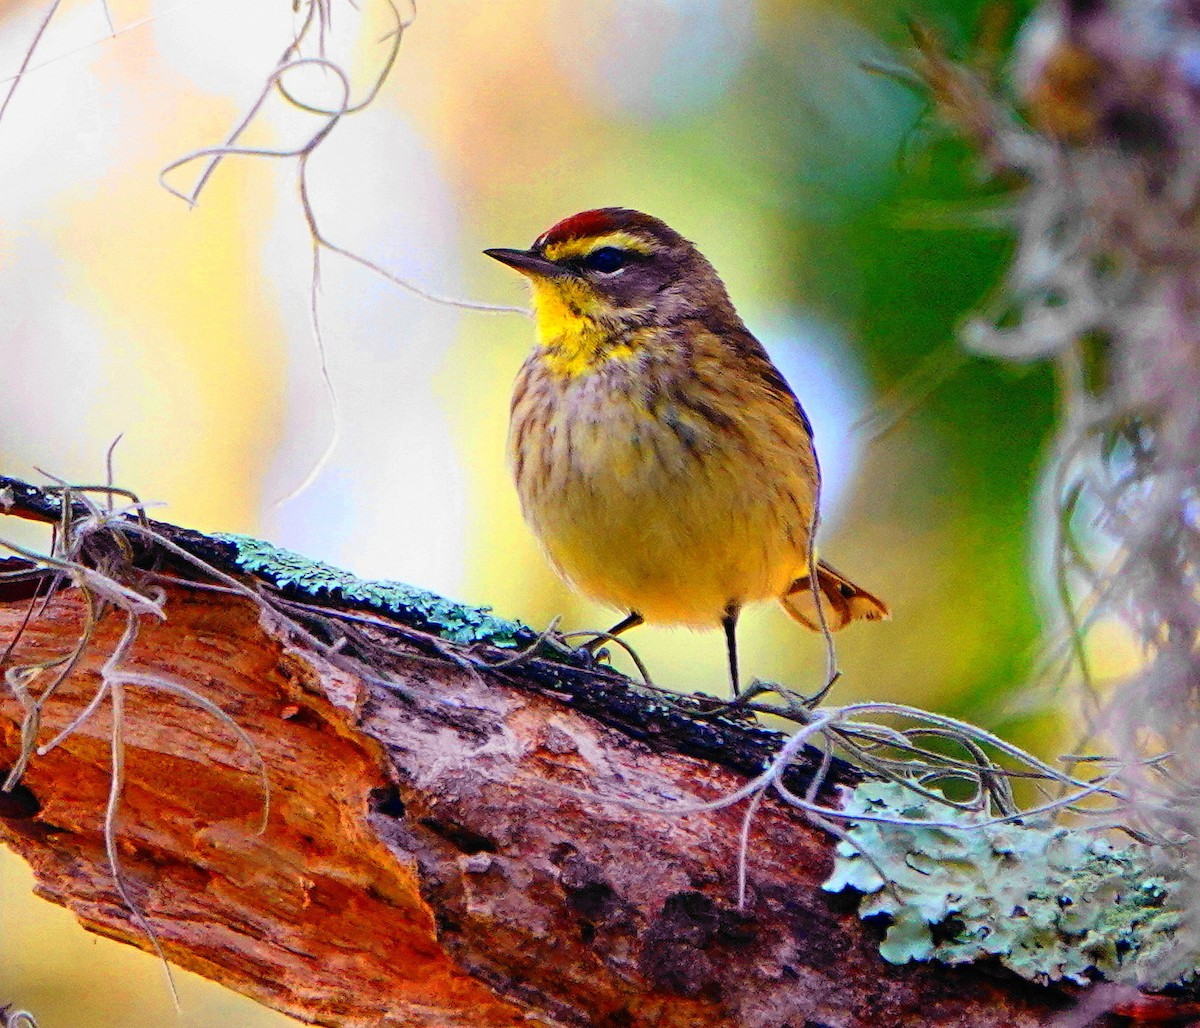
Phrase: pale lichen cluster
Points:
(1048, 902)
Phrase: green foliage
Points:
(1049, 902)
(453, 621)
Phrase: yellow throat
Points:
(572, 329)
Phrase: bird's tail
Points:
(843, 601)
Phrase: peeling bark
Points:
(446, 853)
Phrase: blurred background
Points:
(853, 240)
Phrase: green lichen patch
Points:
(1048, 902)
(456, 622)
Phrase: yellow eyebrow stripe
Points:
(580, 247)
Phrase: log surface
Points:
(448, 861)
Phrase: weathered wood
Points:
(451, 860)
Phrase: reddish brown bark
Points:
(448, 859)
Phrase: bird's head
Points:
(616, 267)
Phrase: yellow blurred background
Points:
(750, 127)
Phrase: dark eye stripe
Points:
(606, 260)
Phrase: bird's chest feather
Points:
(644, 500)
(594, 436)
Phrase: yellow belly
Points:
(666, 513)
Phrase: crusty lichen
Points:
(1048, 902)
(456, 622)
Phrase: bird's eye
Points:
(606, 260)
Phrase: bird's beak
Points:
(528, 263)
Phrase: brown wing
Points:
(755, 359)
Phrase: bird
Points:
(662, 461)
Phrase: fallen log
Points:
(453, 836)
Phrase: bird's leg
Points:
(632, 621)
(730, 622)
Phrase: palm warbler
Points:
(661, 459)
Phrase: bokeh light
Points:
(652, 59)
